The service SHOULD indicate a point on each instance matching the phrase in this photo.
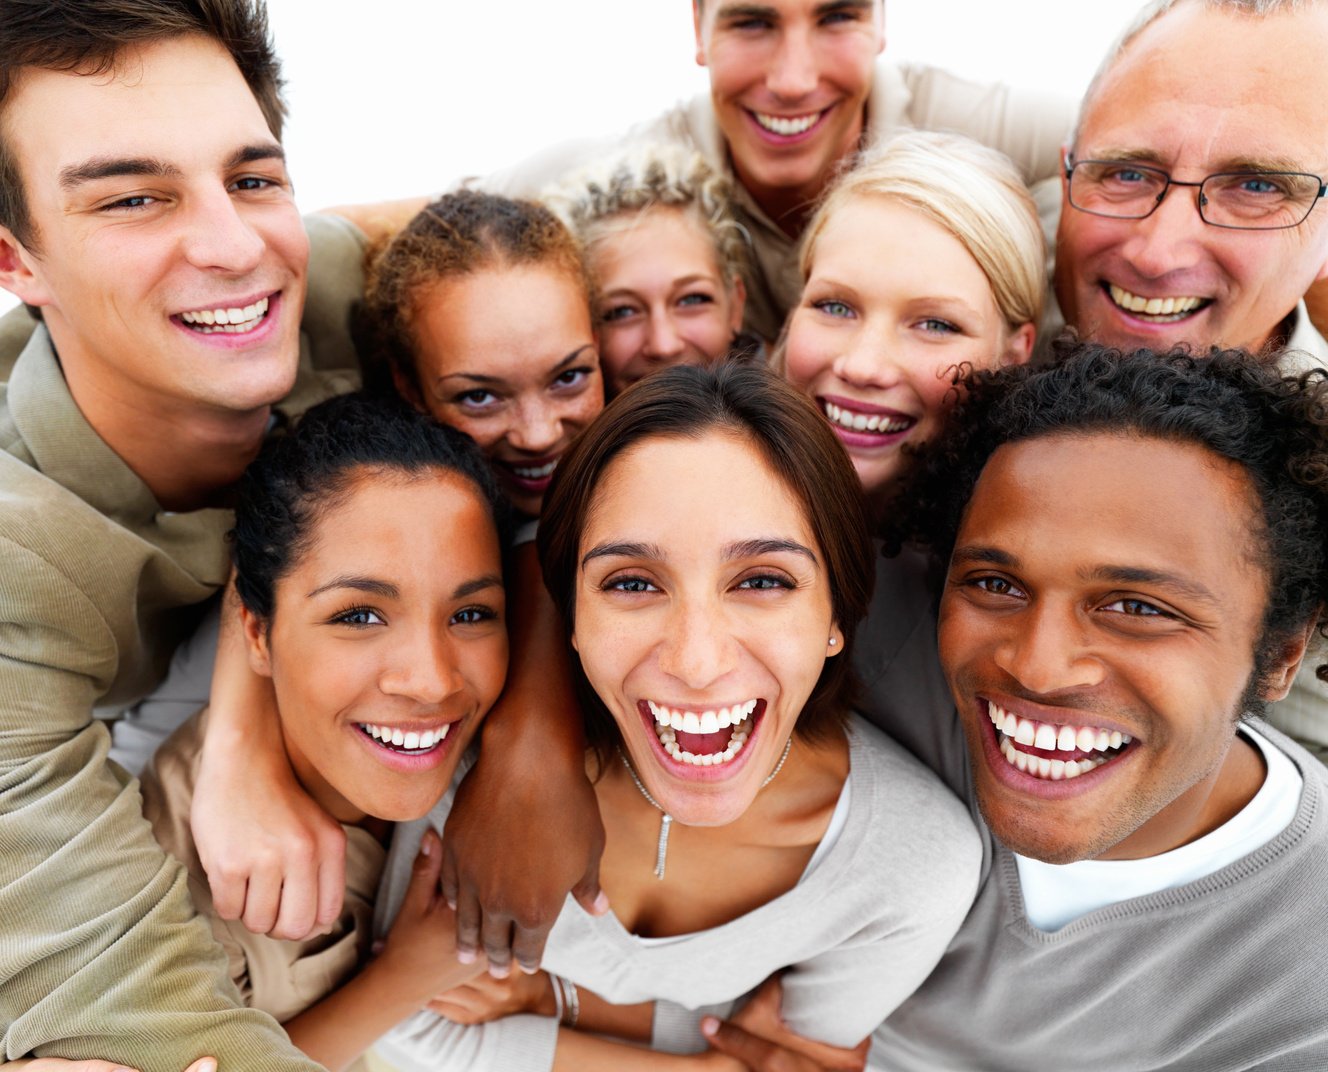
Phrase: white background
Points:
(391, 98)
(395, 98)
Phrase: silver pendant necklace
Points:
(666, 820)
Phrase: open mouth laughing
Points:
(788, 127)
(709, 738)
(1051, 751)
(531, 477)
(1155, 310)
(228, 320)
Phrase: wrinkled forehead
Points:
(1210, 87)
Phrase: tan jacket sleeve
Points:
(101, 953)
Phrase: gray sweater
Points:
(1220, 974)
(861, 930)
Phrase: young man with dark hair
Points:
(146, 214)
(1134, 551)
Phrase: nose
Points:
(867, 361)
(792, 73)
(218, 238)
(698, 649)
(663, 342)
(1043, 648)
(1170, 239)
(537, 428)
(422, 668)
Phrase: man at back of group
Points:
(795, 89)
(146, 212)
(1189, 207)
(1190, 199)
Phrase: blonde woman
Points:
(665, 257)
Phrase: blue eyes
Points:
(835, 308)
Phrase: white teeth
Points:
(787, 126)
(861, 422)
(669, 722)
(1050, 737)
(536, 474)
(231, 320)
(410, 742)
(1161, 309)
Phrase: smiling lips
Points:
(412, 743)
(787, 126)
(707, 738)
(230, 320)
(1156, 310)
(1075, 750)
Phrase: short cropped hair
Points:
(971, 191)
(299, 476)
(609, 195)
(1232, 403)
(1154, 10)
(462, 232)
(90, 36)
(795, 441)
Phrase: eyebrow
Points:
(1234, 163)
(480, 378)
(732, 551)
(114, 167)
(390, 591)
(994, 556)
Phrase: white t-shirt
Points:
(1057, 894)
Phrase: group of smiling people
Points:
(895, 676)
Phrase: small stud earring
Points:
(834, 641)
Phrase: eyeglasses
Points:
(1242, 200)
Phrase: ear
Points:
(836, 642)
(698, 21)
(880, 33)
(1065, 179)
(1019, 345)
(20, 271)
(1277, 682)
(255, 642)
(738, 301)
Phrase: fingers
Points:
(447, 879)
(528, 947)
(423, 889)
(203, 1064)
(298, 905)
(756, 1053)
(262, 899)
(588, 894)
(331, 878)
(228, 890)
(467, 925)
(496, 935)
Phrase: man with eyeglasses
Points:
(1190, 197)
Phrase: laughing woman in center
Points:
(707, 544)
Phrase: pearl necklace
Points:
(666, 822)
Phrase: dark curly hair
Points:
(798, 445)
(1235, 404)
(298, 476)
(460, 233)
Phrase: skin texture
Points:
(521, 387)
(118, 258)
(375, 625)
(1154, 108)
(666, 613)
(892, 303)
(662, 298)
(789, 59)
(1040, 616)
